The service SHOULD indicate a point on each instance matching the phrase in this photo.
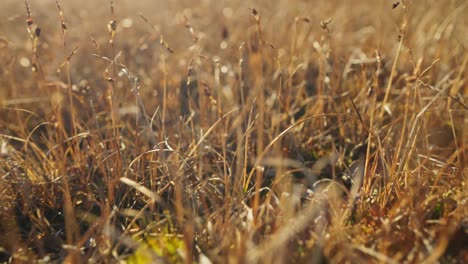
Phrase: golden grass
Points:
(234, 131)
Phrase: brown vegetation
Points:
(210, 131)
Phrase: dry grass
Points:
(234, 131)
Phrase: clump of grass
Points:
(222, 132)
